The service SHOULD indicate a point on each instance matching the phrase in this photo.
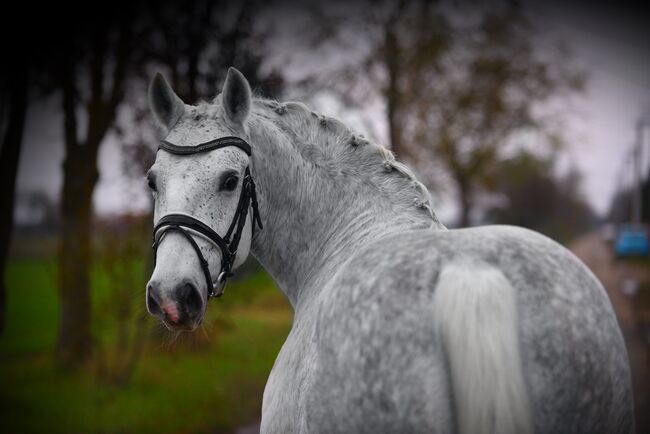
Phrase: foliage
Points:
(118, 255)
(460, 85)
(620, 208)
(484, 94)
(193, 45)
(535, 198)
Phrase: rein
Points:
(187, 225)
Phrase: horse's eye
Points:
(229, 183)
(151, 181)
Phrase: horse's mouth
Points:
(185, 323)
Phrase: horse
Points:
(400, 325)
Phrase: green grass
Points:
(32, 308)
(210, 383)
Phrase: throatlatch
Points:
(187, 225)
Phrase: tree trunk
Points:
(465, 202)
(80, 173)
(74, 343)
(9, 157)
(391, 59)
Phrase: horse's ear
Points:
(166, 106)
(236, 97)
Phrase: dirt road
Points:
(620, 279)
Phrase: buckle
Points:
(220, 286)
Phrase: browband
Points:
(211, 145)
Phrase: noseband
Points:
(187, 225)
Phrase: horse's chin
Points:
(187, 327)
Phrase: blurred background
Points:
(510, 112)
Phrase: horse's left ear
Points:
(236, 97)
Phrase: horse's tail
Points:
(476, 320)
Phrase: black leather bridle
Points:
(187, 225)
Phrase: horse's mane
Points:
(330, 144)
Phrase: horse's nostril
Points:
(152, 304)
(190, 299)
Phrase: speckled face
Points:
(205, 186)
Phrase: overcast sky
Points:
(600, 123)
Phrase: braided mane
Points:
(329, 143)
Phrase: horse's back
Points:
(383, 364)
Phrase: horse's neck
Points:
(313, 222)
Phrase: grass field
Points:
(207, 383)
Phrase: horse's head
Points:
(210, 187)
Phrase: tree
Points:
(645, 198)
(99, 54)
(459, 85)
(202, 41)
(472, 113)
(15, 104)
(620, 208)
(537, 199)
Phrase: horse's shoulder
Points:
(387, 281)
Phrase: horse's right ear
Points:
(165, 105)
(236, 97)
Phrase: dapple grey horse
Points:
(400, 325)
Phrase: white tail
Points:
(476, 319)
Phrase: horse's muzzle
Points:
(179, 309)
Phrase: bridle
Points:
(187, 225)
